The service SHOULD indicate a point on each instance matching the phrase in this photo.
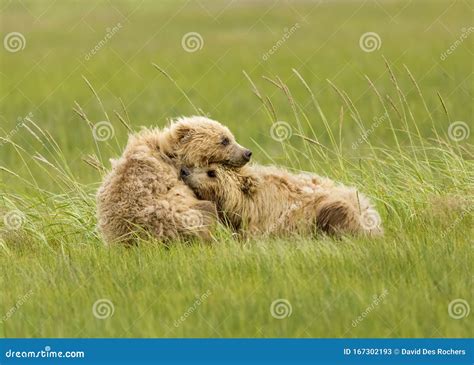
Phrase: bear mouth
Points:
(199, 196)
(231, 163)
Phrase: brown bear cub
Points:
(261, 200)
(143, 195)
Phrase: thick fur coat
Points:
(262, 200)
(142, 196)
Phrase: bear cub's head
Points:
(200, 141)
(223, 185)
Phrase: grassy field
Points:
(297, 84)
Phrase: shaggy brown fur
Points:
(143, 195)
(268, 200)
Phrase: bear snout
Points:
(184, 172)
(247, 155)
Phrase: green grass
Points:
(54, 267)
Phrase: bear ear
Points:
(249, 184)
(183, 133)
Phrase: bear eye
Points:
(211, 173)
(225, 141)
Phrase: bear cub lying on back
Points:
(267, 200)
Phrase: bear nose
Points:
(247, 155)
(184, 172)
